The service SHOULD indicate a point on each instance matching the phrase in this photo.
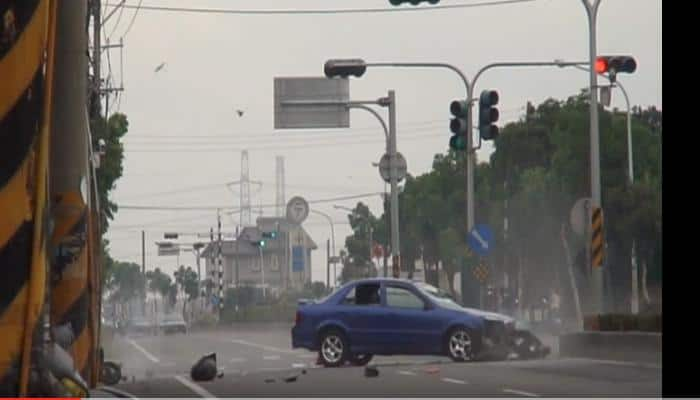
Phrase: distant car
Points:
(173, 323)
(385, 316)
(140, 325)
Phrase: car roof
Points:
(383, 279)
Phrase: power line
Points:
(133, 18)
(194, 208)
(326, 11)
(116, 23)
(243, 141)
(219, 149)
(297, 133)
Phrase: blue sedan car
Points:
(385, 316)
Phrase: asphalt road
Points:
(259, 361)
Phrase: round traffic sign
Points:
(385, 167)
(577, 217)
(297, 210)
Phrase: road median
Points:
(644, 347)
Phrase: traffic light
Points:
(269, 235)
(458, 125)
(412, 2)
(170, 235)
(488, 114)
(344, 68)
(614, 64)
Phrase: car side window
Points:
(363, 295)
(403, 298)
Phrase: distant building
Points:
(286, 259)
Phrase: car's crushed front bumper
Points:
(502, 339)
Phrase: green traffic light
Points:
(458, 143)
(262, 243)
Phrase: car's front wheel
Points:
(334, 348)
(360, 360)
(461, 344)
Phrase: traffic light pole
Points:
(597, 272)
(395, 247)
(469, 87)
(634, 301)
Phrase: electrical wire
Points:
(326, 11)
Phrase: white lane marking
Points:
(520, 392)
(269, 358)
(237, 360)
(144, 351)
(298, 365)
(406, 373)
(622, 363)
(450, 380)
(194, 387)
(264, 347)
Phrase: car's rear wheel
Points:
(461, 344)
(334, 349)
(360, 359)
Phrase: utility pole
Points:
(143, 268)
(236, 258)
(97, 51)
(219, 261)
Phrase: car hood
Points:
(488, 315)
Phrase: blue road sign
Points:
(480, 239)
(297, 258)
(214, 300)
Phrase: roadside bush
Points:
(624, 322)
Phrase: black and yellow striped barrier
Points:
(24, 28)
(597, 251)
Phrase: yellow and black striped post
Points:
(597, 250)
(24, 27)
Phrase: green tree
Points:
(159, 283)
(125, 283)
(111, 131)
(187, 280)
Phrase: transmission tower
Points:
(280, 186)
(245, 197)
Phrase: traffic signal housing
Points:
(344, 68)
(612, 65)
(412, 2)
(459, 125)
(488, 114)
(269, 235)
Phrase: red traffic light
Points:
(601, 65)
(615, 64)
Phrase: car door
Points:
(361, 311)
(414, 323)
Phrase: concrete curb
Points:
(619, 346)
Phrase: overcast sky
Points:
(185, 138)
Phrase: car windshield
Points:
(440, 296)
